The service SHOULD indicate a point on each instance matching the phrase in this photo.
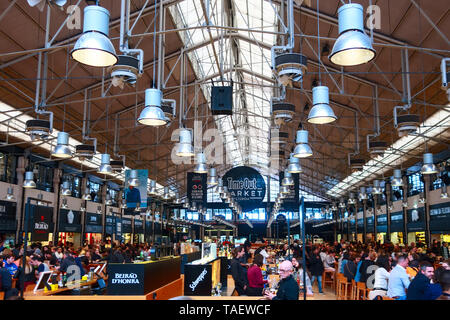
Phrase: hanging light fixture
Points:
(212, 177)
(376, 187)
(341, 203)
(294, 164)
(40, 197)
(123, 205)
(64, 203)
(351, 198)
(152, 114)
(29, 182)
(65, 191)
(186, 204)
(108, 200)
(444, 194)
(184, 147)
(201, 167)
(284, 189)
(10, 194)
(194, 206)
(362, 193)
(428, 165)
(321, 111)
(87, 195)
(177, 198)
(302, 150)
(82, 208)
(138, 207)
(219, 188)
(152, 190)
(94, 48)
(105, 167)
(353, 47)
(62, 149)
(99, 209)
(133, 179)
(397, 181)
(287, 180)
(166, 195)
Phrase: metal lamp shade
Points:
(185, 148)
(166, 195)
(152, 116)
(10, 194)
(362, 193)
(428, 165)
(64, 204)
(94, 48)
(294, 165)
(212, 178)
(66, 189)
(152, 190)
(201, 166)
(62, 149)
(108, 200)
(133, 179)
(444, 194)
(86, 196)
(353, 47)
(376, 187)
(29, 182)
(321, 111)
(194, 206)
(123, 205)
(287, 180)
(284, 189)
(397, 181)
(105, 167)
(302, 149)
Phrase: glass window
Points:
(436, 184)
(114, 196)
(397, 193)
(74, 184)
(8, 164)
(94, 189)
(44, 180)
(415, 184)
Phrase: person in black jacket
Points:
(238, 271)
(316, 268)
(365, 264)
(417, 289)
(288, 287)
(350, 266)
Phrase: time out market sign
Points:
(246, 185)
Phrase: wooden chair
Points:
(344, 288)
(353, 290)
(361, 291)
(327, 280)
(387, 298)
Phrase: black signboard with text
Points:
(397, 221)
(197, 187)
(69, 221)
(382, 223)
(109, 225)
(291, 200)
(126, 225)
(138, 226)
(40, 222)
(440, 217)
(197, 280)
(8, 216)
(369, 224)
(93, 223)
(246, 186)
(416, 219)
(148, 227)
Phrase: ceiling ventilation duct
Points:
(282, 112)
(406, 124)
(125, 71)
(356, 164)
(85, 151)
(377, 147)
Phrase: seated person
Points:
(9, 264)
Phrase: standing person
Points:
(288, 287)
(444, 281)
(399, 279)
(316, 268)
(445, 251)
(239, 272)
(417, 290)
(255, 278)
(6, 282)
(380, 286)
(298, 276)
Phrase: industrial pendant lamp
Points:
(105, 167)
(152, 190)
(166, 195)
(341, 203)
(133, 179)
(284, 189)
(87, 195)
(66, 189)
(428, 165)
(321, 111)
(302, 150)
(219, 188)
(184, 147)
(201, 167)
(287, 180)
(351, 198)
(376, 187)
(152, 114)
(64, 204)
(62, 149)
(123, 205)
(397, 181)
(353, 47)
(10, 194)
(94, 48)
(294, 164)
(212, 177)
(108, 200)
(186, 204)
(444, 194)
(362, 193)
(29, 182)
(40, 197)
(193, 207)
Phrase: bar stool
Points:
(343, 287)
(327, 280)
(361, 291)
(353, 290)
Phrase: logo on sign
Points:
(40, 226)
(125, 278)
(194, 284)
(70, 217)
(415, 215)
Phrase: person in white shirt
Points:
(398, 279)
(380, 285)
(265, 255)
(328, 261)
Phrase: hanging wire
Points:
(154, 47)
(318, 41)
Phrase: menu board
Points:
(440, 217)
(197, 187)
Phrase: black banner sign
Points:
(126, 225)
(138, 226)
(197, 187)
(440, 217)
(109, 225)
(42, 222)
(397, 221)
(416, 219)
(93, 223)
(69, 221)
(197, 280)
(7, 216)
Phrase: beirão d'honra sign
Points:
(246, 186)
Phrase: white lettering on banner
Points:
(125, 278)
(40, 226)
(202, 275)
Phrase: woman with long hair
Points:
(30, 277)
(255, 278)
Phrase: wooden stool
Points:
(329, 280)
(353, 290)
(343, 288)
(361, 291)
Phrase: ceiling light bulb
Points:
(133, 179)
(62, 149)
(184, 147)
(397, 180)
(353, 47)
(287, 180)
(94, 48)
(294, 164)
(302, 150)
(10, 194)
(201, 163)
(321, 111)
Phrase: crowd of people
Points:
(399, 272)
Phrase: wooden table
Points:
(59, 290)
